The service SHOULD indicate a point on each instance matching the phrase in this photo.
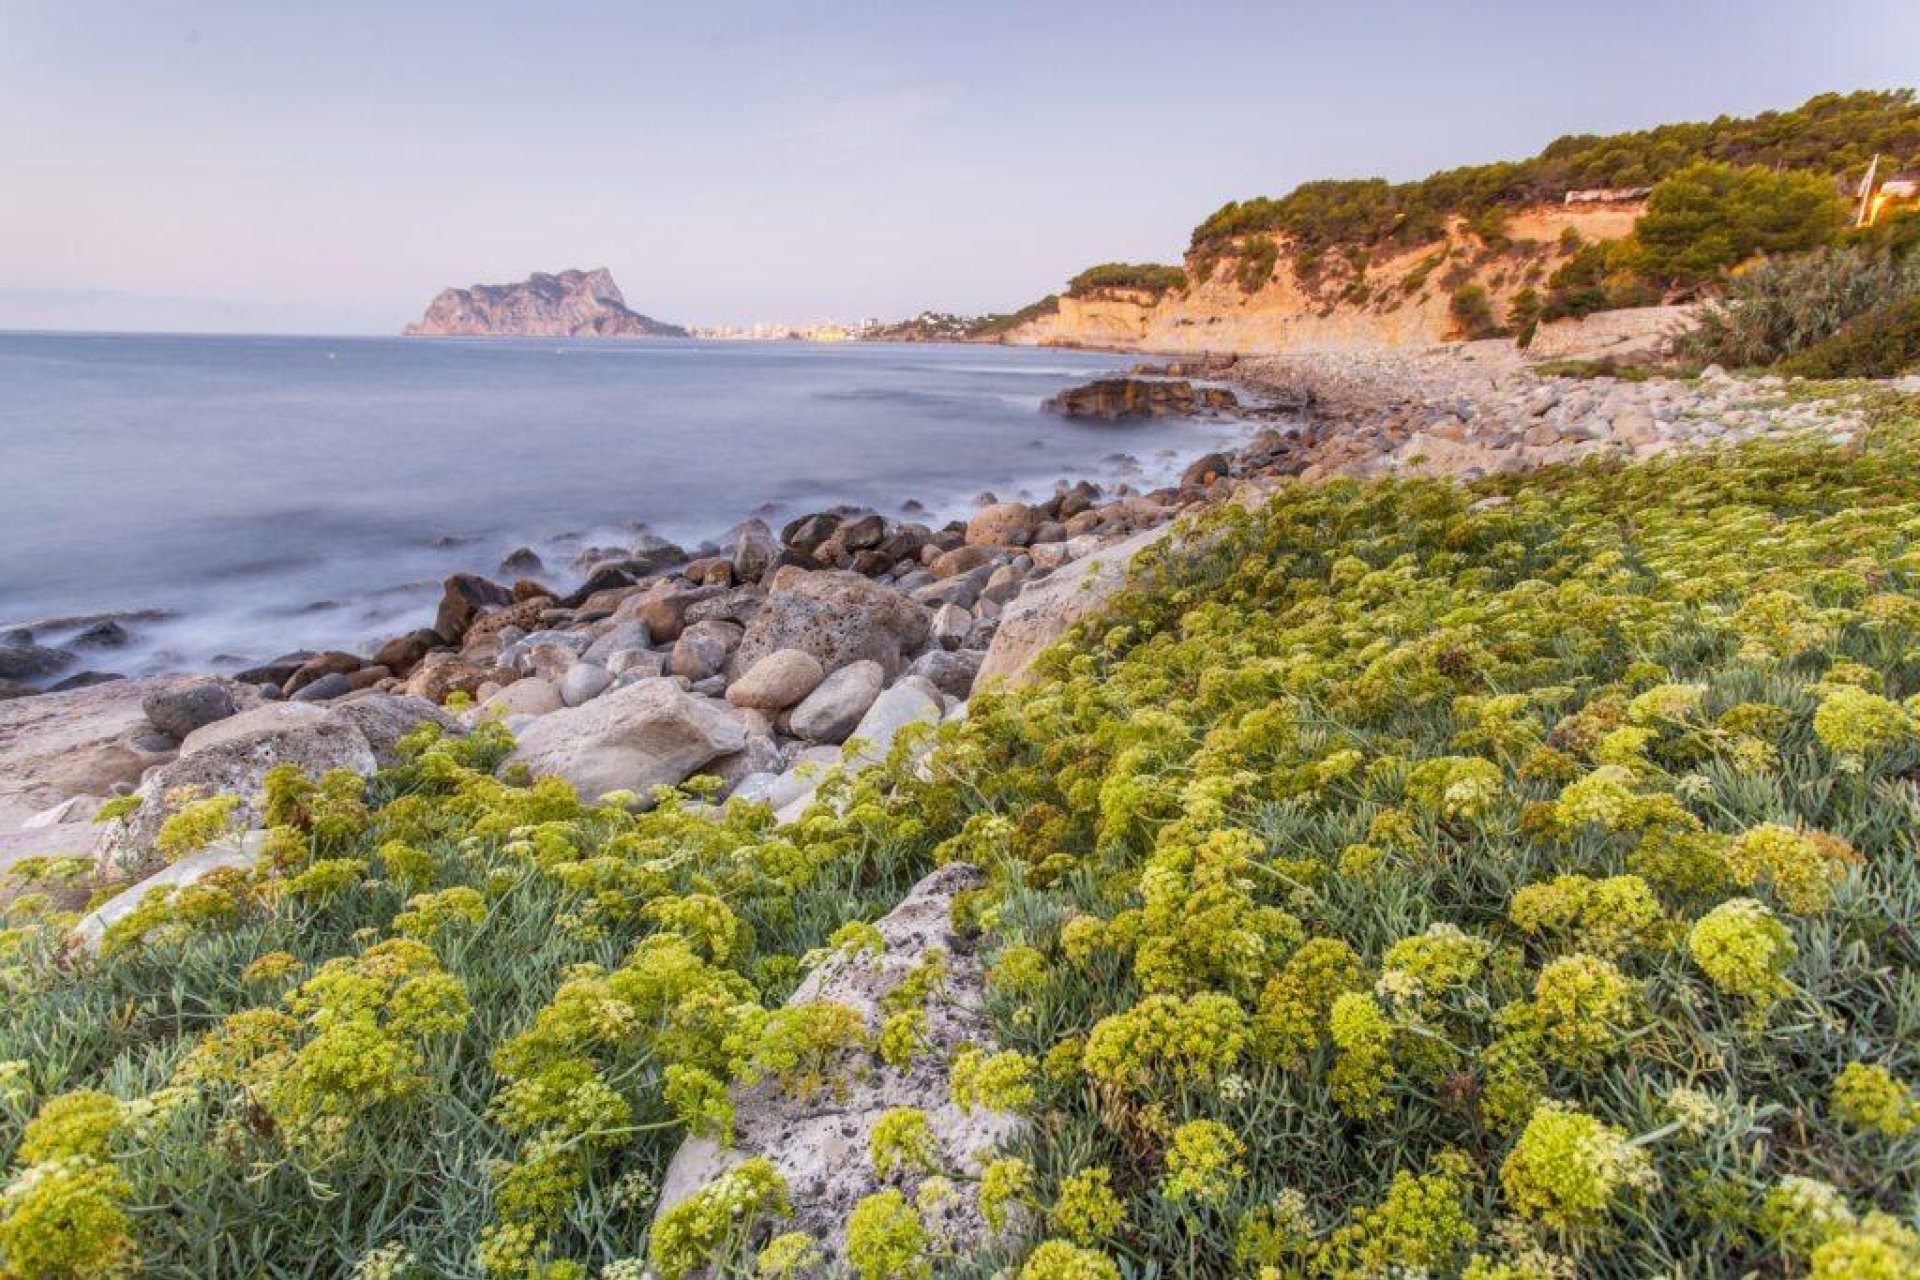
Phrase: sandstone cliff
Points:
(1237, 302)
(573, 304)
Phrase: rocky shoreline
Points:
(753, 659)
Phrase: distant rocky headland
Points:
(572, 304)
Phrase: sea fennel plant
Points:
(1393, 882)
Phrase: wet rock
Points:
(22, 659)
(522, 562)
(105, 634)
(1207, 468)
(400, 653)
(1118, 399)
(463, 598)
(321, 664)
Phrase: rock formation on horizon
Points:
(572, 304)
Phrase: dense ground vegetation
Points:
(1840, 311)
(1510, 880)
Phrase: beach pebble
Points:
(830, 712)
(583, 682)
(777, 681)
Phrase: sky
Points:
(270, 166)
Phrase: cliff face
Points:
(1403, 299)
(573, 304)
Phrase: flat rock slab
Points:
(238, 853)
(56, 745)
(1044, 610)
(820, 1146)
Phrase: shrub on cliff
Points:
(1472, 310)
(1832, 135)
(1709, 218)
(1144, 277)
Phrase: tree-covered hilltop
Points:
(1833, 135)
(1136, 277)
(1500, 880)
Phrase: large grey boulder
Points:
(180, 709)
(1044, 610)
(233, 757)
(651, 733)
(837, 616)
(820, 1144)
(830, 712)
(385, 718)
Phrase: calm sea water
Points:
(269, 493)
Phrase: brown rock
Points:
(464, 598)
(1004, 524)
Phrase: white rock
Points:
(648, 734)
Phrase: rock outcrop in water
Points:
(573, 304)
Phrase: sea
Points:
(228, 498)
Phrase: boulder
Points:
(385, 718)
(1045, 609)
(1004, 524)
(951, 626)
(462, 599)
(649, 734)
(402, 652)
(326, 688)
(952, 674)
(232, 757)
(819, 1144)
(238, 852)
(274, 671)
(951, 564)
(702, 649)
(104, 634)
(777, 681)
(583, 682)
(830, 712)
(752, 548)
(179, 709)
(1207, 468)
(1119, 399)
(836, 616)
(25, 660)
(529, 697)
(88, 742)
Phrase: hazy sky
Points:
(327, 167)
